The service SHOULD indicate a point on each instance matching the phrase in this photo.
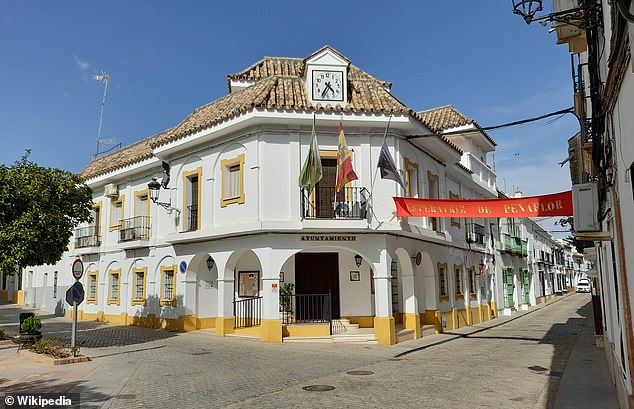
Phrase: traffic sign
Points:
(78, 269)
(75, 293)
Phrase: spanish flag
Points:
(345, 174)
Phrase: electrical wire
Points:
(496, 127)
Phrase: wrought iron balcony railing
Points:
(475, 233)
(191, 218)
(87, 237)
(325, 203)
(135, 228)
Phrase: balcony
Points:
(482, 174)
(87, 237)
(134, 228)
(191, 218)
(514, 245)
(325, 203)
(474, 233)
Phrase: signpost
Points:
(74, 297)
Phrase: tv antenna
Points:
(105, 78)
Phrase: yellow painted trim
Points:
(164, 301)
(4, 296)
(199, 172)
(431, 178)
(412, 321)
(140, 193)
(411, 165)
(306, 330)
(493, 308)
(384, 330)
(93, 300)
(440, 286)
(18, 296)
(455, 221)
(138, 301)
(364, 322)
(98, 222)
(114, 301)
(121, 199)
(224, 164)
(224, 326)
(472, 277)
(204, 323)
(271, 331)
(458, 278)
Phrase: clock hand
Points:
(328, 87)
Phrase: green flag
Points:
(311, 171)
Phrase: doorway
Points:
(318, 273)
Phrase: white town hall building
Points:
(231, 228)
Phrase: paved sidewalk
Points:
(585, 381)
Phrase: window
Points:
(459, 282)
(232, 181)
(472, 282)
(91, 296)
(191, 199)
(168, 286)
(96, 222)
(116, 212)
(434, 193)
(455, 221)
(442, 282)
(138, 275)
(55, 284)
(113, 286)
(411, 179)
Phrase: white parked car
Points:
(583, 286)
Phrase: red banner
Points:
(558, 204)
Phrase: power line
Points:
(495, 127)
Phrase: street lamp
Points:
(357, 260)
(155, 189)
(210, 263)
(584, 16)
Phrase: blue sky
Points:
(167, 58)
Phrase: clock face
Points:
(327, 85)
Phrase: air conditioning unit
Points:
(585, 205)
(111, 190)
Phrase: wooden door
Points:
(325, 196)
(318, 273)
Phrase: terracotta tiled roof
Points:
(273, 90)
(278, 84)
(460, 165)
(447, 117)
(123, 157)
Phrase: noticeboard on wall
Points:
(248, 283)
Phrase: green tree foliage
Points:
(39, 208)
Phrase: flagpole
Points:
(376, 171)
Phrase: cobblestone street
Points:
(518, 363)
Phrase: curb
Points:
(53, 361)
(477, 330)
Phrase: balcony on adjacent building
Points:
(474, 233)
(514, 245)
(135, 228)
(87, 237)
(481, 171)
(325, 203)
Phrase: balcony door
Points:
(325, 197)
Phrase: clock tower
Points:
(327, 77)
